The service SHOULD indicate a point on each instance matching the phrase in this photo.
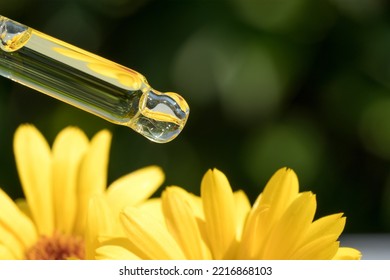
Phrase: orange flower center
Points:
(57, 247)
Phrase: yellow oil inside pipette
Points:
(89, 82)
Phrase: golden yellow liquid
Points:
(89, 82)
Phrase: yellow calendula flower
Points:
(58, 219)
(221, 224)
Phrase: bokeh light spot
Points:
(296, 144)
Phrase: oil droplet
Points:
(160, 116)
(13, 35)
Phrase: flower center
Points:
(57, 247)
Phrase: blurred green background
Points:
(270, 83)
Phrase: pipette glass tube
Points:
(89, 82)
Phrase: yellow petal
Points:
(323, 248)
(33, 161)
(14, 245)
(99, 223)
(153, 207)
(5, 253)
(278, 194)
(346, 253)
(68, 149)
(195, 202)
(182, 224)
(219, 211)
(320, 240)
(243, 207)
(93, 175)
(21, 229)
(150, 239)
(252, 240)
(110, 252)
(288, 232)
(328, 225)
(134, 188)
(113, 240)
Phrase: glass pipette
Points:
(89, 82)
